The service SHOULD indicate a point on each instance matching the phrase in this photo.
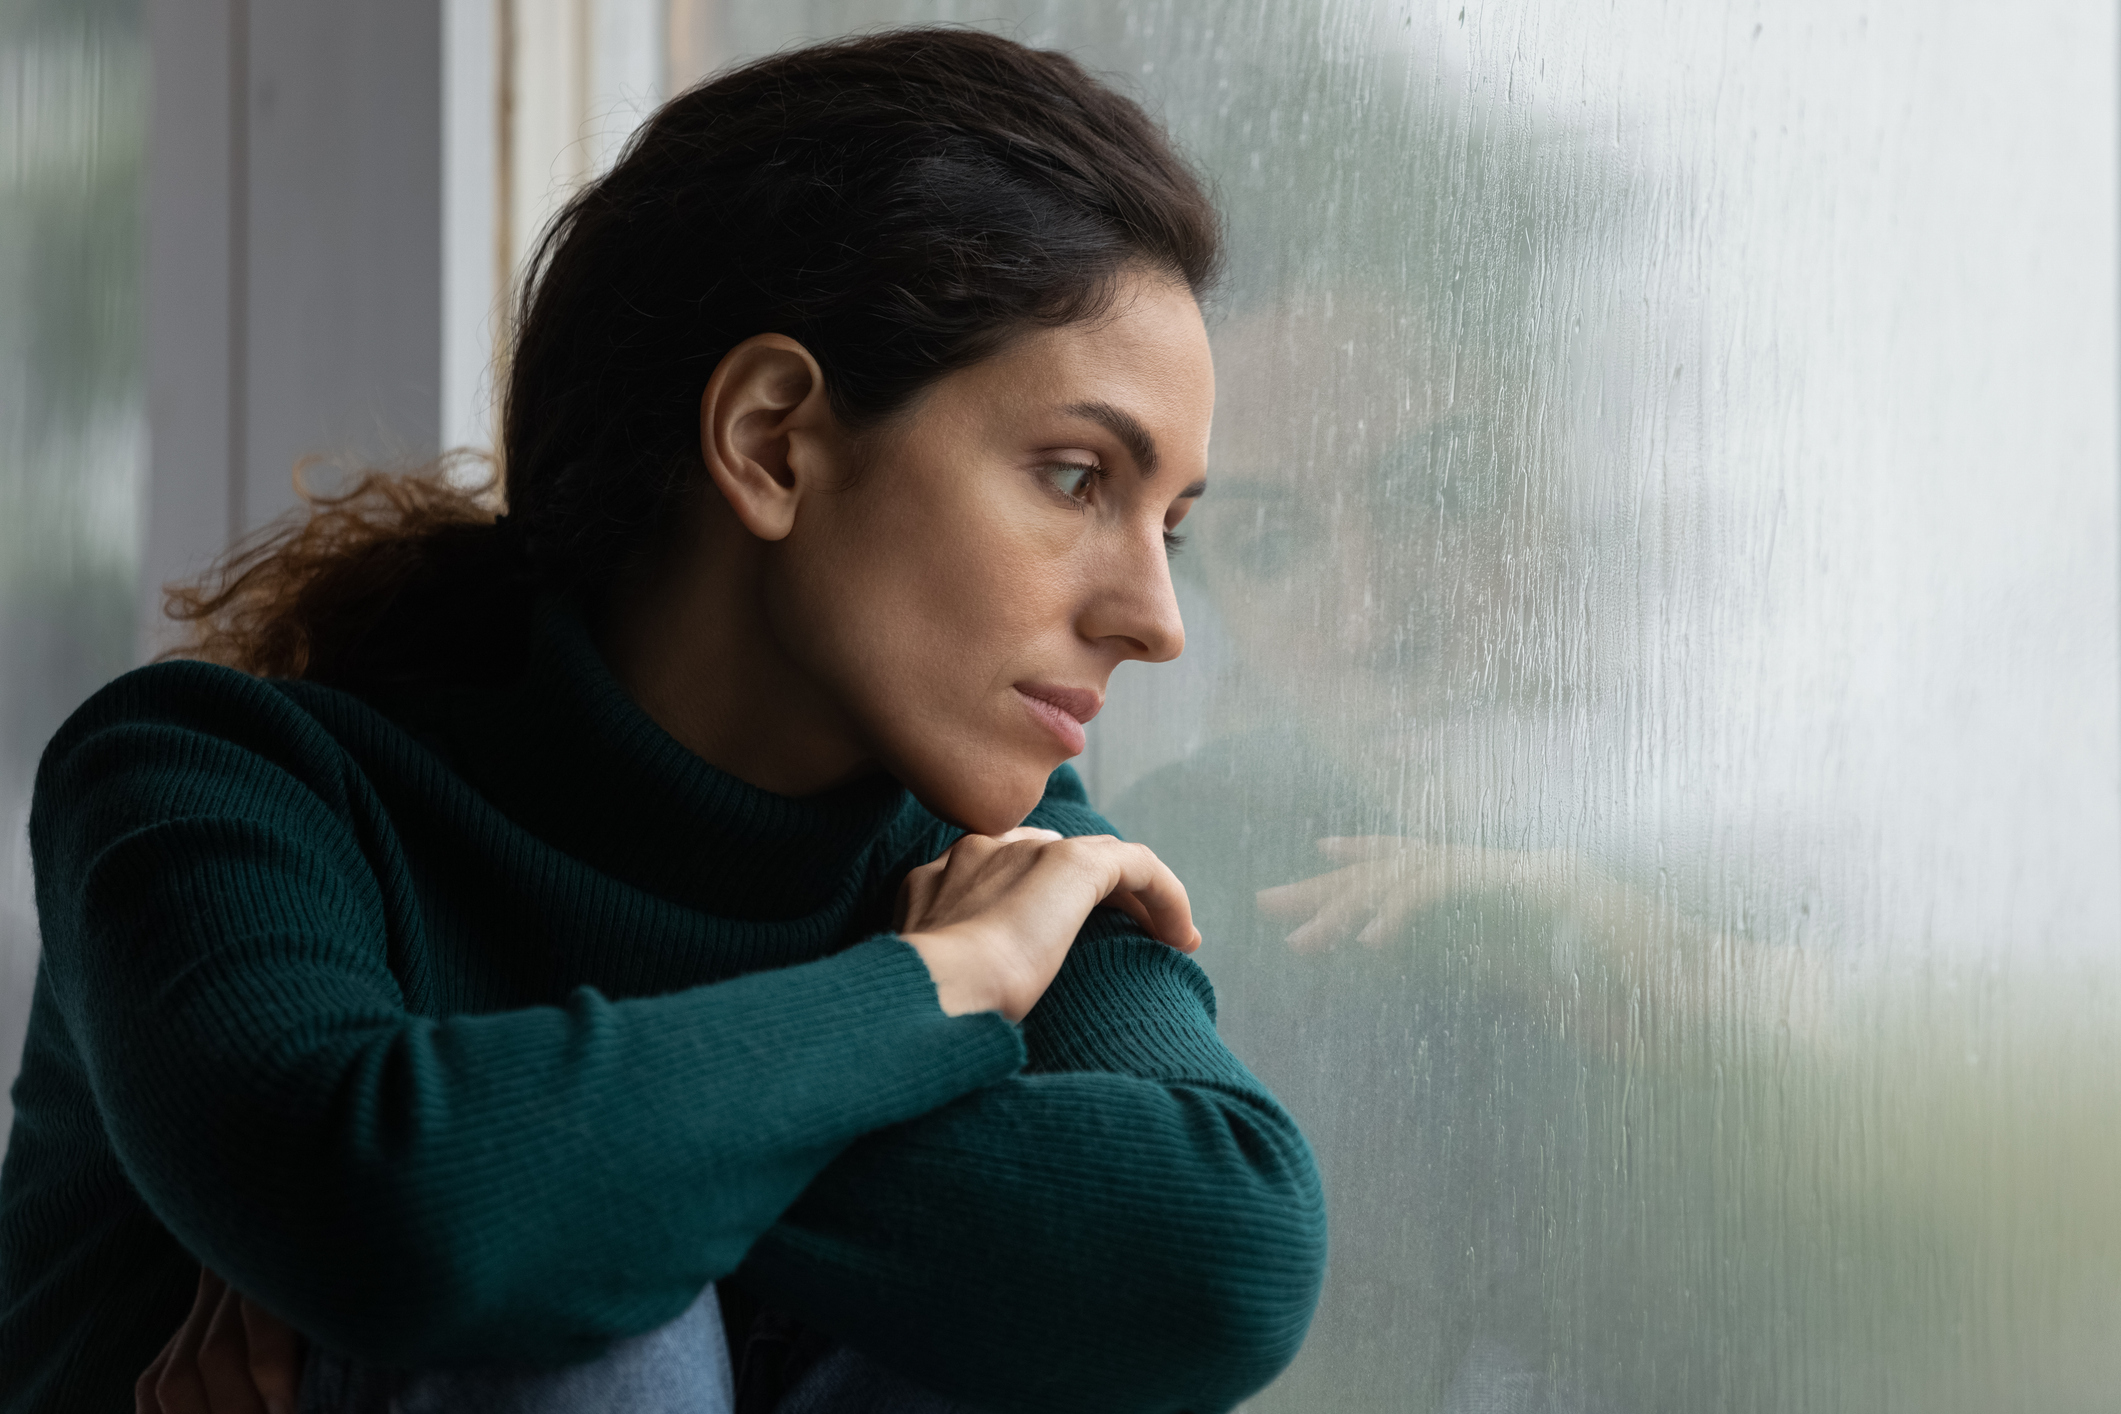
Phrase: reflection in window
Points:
(1646, 751)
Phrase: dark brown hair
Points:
(900, 203)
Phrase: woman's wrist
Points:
(962, 968)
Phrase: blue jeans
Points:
(683, 1368)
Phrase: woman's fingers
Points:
(145, 1398)
(918, 890)
(229, 1357)
(994, 917)
(176, 1387)
(224, 1361)
(275, 1358)
(914, 891)
(1133, 907)
(1135, 870)
(1137, 882)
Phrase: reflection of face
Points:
(1365, 555)
(1358, 573)
(1004, 543)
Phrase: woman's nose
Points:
(1137, 607)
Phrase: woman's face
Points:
(964, 597)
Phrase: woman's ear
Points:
(767, 433)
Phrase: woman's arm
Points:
(519, 1186)
(1132, 1224)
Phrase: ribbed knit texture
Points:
(493, 1027)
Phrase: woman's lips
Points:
(1062, 711)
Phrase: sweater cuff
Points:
(893, 985)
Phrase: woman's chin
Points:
(985, 807)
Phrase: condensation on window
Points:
(1646, 751)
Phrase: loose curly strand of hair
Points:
(293, 598)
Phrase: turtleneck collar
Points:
(569, 754)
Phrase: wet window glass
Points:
(1645, 754)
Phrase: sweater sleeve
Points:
(515, 1186)
(1133, 1224)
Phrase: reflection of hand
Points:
(231, 1356)
(1577, 930)
(1627, 957)
(1387, 881)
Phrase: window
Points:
(1662, 526)
(72, 416)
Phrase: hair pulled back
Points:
(900, 203)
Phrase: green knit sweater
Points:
(494, 1027)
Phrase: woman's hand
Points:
(231, 1356)
(994, 916)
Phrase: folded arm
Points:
(517, 1186)
(1131, 1224)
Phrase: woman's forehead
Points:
(1142, 377)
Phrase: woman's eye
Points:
(1073, 479)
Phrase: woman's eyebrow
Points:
(1125, 426)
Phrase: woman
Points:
(670, 896)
